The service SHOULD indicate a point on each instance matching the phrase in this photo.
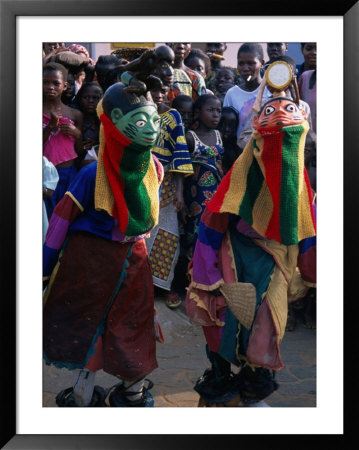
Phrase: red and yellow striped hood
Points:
(127, 180)
(268, 185)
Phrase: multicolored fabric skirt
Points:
(241, 259)
(99, 312)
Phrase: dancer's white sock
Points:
(137, 387)
(83, 385)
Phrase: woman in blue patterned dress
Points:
(171, 149)
(206, 148)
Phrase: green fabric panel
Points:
(133, 168)
(253, 265)
(254, 183)
(288, 225)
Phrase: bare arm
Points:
(190, 142)
(74, 129)
(179, 201)
(54, 121)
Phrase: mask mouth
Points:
(150, 139)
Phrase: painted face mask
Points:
(140, 125)
(280, 111)
(127, 181)
(268, 185)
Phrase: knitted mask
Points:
(268, 185)
(127, 184)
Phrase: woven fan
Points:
(241, 299)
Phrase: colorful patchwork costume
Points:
(98, 305)
(255, 249)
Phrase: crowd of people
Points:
(150, 188)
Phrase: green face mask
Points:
(141, 125)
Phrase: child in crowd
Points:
(68, 95)
(163, 244)
(184, 105)
(224, 81)
(80, 76)
(250, 61)
(228, 128)
(186, 80)
(62, 138)
(198, 61)
(86, 101)
(215, 51)
(206, 148)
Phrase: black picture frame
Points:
(10, 9)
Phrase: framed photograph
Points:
(25, 25)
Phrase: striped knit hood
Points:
(268, 185)
(127, 180)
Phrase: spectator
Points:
(228, 128)
(224, 81)
(184, 105)
(206, 149)
(62, 142)
(198, 61)
(86, 101)
(242, 97)
(215, 52)
(186, 80)
(275, 49)
(163, 245)
(309, 51)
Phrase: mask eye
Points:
(268, 110)
(291, 108)
(140, 123)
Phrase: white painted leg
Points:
(83, 385)
(137, 387)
